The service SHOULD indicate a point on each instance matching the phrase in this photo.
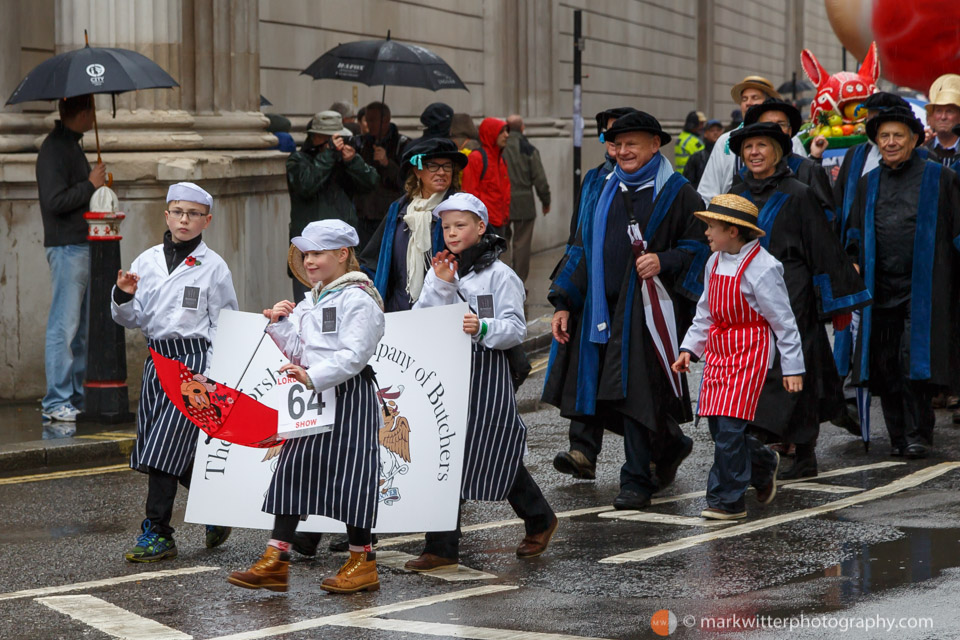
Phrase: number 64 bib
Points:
(303, 412)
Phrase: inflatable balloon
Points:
(917, 40)
(841, 93)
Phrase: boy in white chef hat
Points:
(174, 293)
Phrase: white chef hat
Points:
(463, 202)
(324, 235)
(189, 192)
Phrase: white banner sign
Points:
(423, 370)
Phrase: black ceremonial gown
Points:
(822, 282)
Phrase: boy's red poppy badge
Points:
(191, 261)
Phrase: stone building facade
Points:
(663, 56)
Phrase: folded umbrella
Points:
(863, 408)
(658, 310)
(220, 411)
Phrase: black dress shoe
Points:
(897, 450)
(630, 500)
(805, 467)
(916, 451)
(667, 472)
(575, 463)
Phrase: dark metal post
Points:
(577, 108)
(105, 397)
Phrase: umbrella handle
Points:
(110, 180)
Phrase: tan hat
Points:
(328, 123)
(755, 82)
(944, 90)
(732, 209)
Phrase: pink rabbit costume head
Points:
(843, 91)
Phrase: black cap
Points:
(637, 121)
(761, 130)
(436, 118)
(773, 104)
(883, 100)
(431, 149)
(894, 114)
(606, 114)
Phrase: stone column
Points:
(705, 55)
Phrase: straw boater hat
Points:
(732, 209)
(944, 90)
(755, 82)
(321, 235)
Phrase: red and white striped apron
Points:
(737, 351)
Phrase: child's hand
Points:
(127, 282)
(793, 384)
(471, 324)
(445, 265)
(281, 309)
(295, 371)
(682, 365)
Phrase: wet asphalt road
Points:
(892, 556)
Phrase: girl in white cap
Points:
(328, 338)
(493, 468)
(174, 293)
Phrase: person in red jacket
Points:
(486, 173)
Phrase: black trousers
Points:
(905, 402)
(285, 527)
(641, 445)
(527, 501)
(161, 494)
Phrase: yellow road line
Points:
(57, 475)
(901, 484)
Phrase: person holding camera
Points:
(324, 176)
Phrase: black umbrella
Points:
(264, 102)
(794, 86)
(91, 70)
(385, 62)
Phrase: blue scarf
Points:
(600, 314)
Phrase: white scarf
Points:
(418, 217)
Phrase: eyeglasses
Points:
(434, 167)
(191, 215)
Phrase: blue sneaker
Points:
(151, 546)
(216, 535)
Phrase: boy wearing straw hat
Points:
(174, 293)
(744, 299)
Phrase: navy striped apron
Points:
(333, 474)
(495, 432)
(166, 439)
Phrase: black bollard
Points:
(105, 396)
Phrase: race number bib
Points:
(304, 412)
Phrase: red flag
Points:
(221, 412)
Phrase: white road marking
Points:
(825, 488)
(111, 619)
(446, 630)
(906, 482)
(496, 524)
(106, 582)
(460, 573)
(663, 518)
(341, 618)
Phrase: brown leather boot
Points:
(358, 574)
(269, 572)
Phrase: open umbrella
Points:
(220, 411)
(385, 62)
(91, 70)
(794, 86)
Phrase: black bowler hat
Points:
(614, 113)
(894, 114)
(761, 130)
(431, 149)
(637, 121)
(773, 104)
(884, 100)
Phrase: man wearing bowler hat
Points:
(605, 366)
(904, 233)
